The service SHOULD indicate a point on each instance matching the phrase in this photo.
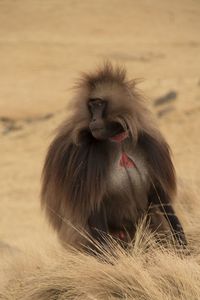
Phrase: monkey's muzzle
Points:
(98, 133)
(98, 130)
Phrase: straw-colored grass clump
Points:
(148, 271)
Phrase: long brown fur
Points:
(77, 167)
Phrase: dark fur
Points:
(77, 166)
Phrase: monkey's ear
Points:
(158, 156)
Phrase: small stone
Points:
(170, 96)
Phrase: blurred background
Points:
(44, 45)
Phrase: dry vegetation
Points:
(148, 271)
(43, 45)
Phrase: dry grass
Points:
(149, 271)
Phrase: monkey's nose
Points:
(96, 124)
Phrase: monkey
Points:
(108, 165)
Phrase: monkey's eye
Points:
(90, 104)
(96, 102)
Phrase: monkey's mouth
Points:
(97, 129)
(106, 131)
(114, 129)
(99, 133)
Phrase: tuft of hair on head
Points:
(105, 73)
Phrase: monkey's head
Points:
(100, 126)
(108, 104)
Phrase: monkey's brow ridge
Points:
(94, 99)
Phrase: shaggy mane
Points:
(106, 73)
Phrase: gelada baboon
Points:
(108, 165)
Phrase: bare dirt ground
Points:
(43, 47)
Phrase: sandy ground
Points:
(43, 47)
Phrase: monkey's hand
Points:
(98, 225)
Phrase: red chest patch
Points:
(125, 161)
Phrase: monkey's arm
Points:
(98, 224)
(162, 178)
(161, 200)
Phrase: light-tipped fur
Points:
(77, 169)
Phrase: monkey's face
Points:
(99, 126)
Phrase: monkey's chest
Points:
(129, 171)
(128, 186)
